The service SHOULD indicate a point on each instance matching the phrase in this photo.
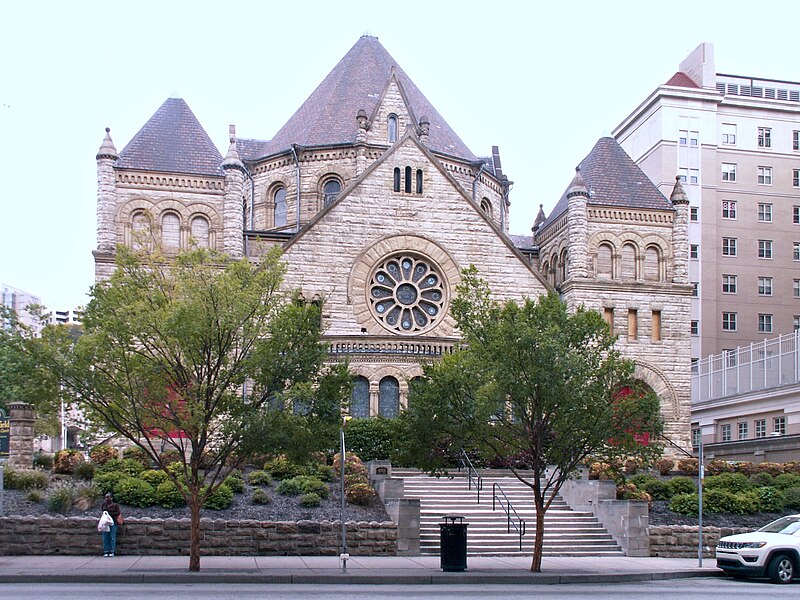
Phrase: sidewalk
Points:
(327, 570)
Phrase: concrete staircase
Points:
(567, 532)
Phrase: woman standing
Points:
(110, 536)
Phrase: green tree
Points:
(188, 354)
(534, 385)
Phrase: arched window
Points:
(652, 260)
(604, 261)
(140, 230)
(486, 206)
(392, 127)
(359, 398)
(170, 231)
(627, 262)
(419, 181)
(554, 269)
(397, 179)
(330, 191)
(200, 232)
(280, 207)
(408, 180)
(388, 397)
(562, 266)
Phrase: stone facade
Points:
(149, 537)
(680, 541)
(20, 435)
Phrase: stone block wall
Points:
(680, 541)
(21, 535)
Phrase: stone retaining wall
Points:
(680, 541)
(79, 535)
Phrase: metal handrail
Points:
(472, 474)
(509, 508)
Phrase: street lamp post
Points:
(343, 556)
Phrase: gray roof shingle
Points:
(172, 141)
(613, 179)
(328, 116)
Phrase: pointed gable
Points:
(328, 116)
(613, 179)
(681, 79)
(172, 141)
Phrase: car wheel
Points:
(781, 569)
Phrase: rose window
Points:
(407, 294)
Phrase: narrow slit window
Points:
(656, 332)
(633, 324)
(419, 181)
(608, 317)
(392, 127)
(408, 180)
(397, 179)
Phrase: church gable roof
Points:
(358, 81)
(613, 179)
(172, 141)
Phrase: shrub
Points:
(86, 494)
(641, 479)
(128, 466)
(220, 499)
(109, 481)
(792, 497)
(375, 438)
(715, 467)
(84, 471)
(66, 460)
(352, 464)
(281, 467)
(601, 470)
(786, 481)
(176, 470)
(259, 478)
(359, 493)
(658, 490)
(688, 466)
(682, 485)
(745, 467)
(25, 479)
(34, 496)
(665, 466)
(731, 482)
(354, 478)
(168, 495)
(60, 498)
(310, 500)
(135, 492)
(137, 454)
(42, 460)
(771, 499)
(762, 479)
(100, 455)
(770, 467)
(628, 491)
(154, 477)
(323, 472)
(259, 496)
(632, 466)
(169, 457)
(791, 467)
(235, 483)
(719, 500)
(302, 484)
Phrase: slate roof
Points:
(613, 179)
(524, 243)
(681, 79)
(328, 116)
(172, 141)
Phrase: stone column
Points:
(106, 196)
(680, 233)
(20, 439)
(232, 215)
(578, 228)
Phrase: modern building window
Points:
(280, 207)
(170, 231)
(796, 215)
(764, 323)
(729, 284)
(330, 191)
(742, 430)
(765, 175)
(388, 397)
(687, 175)
(408, 180)
(694, 213)
(695, 289)
(765, 286)
(633, 324)
(728, 171)
(725, 431)
(729, 209)
(688, 138)
(728, 246)
(608, 317)
(761, 428)
(694, 251)
(396, 181)
(796, 288)
(796, 321)
(695, 328)
(695, 436)
(779, 425)
(796, 250)
(392, 128)
(728, 134)
(655, 333)
(795, 177)
(796, 140)
(764, 137)
(764, 248)
(765, 212)
(729, 321)
(730, 357)
(200, 230)
(419, 181)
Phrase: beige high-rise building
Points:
(735, 143)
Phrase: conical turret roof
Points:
(172, 141)
(358, 82)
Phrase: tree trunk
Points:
(538, 542)
(194, 533)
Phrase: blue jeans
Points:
(110, 540)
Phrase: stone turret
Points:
(577, 227)
(540, 218)
(232, 215)
(106, 195)
(680, 233)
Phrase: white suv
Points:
(772, 551)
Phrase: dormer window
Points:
(392, 128)
(330, 191)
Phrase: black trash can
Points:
(453, 543)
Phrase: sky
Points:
(543, 81)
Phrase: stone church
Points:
(378, 205)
